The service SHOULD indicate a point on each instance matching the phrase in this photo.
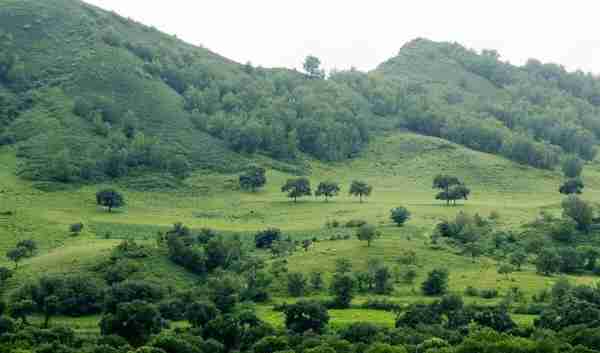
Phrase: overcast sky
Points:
(280, 33)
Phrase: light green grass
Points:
(400, 167)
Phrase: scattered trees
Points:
(296, 188)
(572, 167)
(436, 282)
(571, 186)
(266, 238)
(368, 233)
(110, 198)
(452, 189)
(23, 249)
(343, 287)
(327, 189)
(306, 315)
(400, 215)
(579, 211)
(547, 262)
(296, 283)
(254, 178)
(135, 321)
(360, 189)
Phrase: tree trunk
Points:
(361, 198)
(46, 321)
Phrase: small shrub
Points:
(355, 223)
(471, 291)
(488, 293)
(76, 228)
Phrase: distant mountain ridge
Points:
(87, 95)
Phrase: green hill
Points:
(86, 95)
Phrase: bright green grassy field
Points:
(400, 167)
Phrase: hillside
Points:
(87, 96)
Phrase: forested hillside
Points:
(86, 95)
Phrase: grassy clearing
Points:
(399, 166)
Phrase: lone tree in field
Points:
(452, 189)
(360, 189)
(367, 233)
(327, 189)
(400, 215)
(572, 167)
(571, 186)
(579, 211)
(110, 198)
(297, 188)
(254, 178)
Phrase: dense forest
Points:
(107, 96)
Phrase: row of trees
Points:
(300, 187)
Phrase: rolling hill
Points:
(87, 96)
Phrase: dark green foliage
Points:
(360, 189)
(73, 295)
(547, 262)
(316, 281)
(296, 284)
(76, 228)
(306, 315)
(254, 178)
(364, 332)
(110, 198)
(368, 233)
(296, 188)
(327, 189)
(199, 313)
(265, 238)
(129, 290)
(419, 314)
(135, 321)
(16, 255)
(571, 186)
(579, 211)
(271, 344)
(311, 66)
(400, 215)
(343, 288)
(572, 167)
(436, 282)
(518, 258)
(452, 188)
(224, 292)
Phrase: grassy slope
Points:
(400, 167)
(60, 42)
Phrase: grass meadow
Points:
(400, 167)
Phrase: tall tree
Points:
(571, 186)
(254, 178)
(297, 188)
(400, 215)
(368, 233)
(312, 66)
(452, 189)
(110, 198)
(360, 189)
(572, 167)
(327, 189)
(579, 211)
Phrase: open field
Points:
(400, 167)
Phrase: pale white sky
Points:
(345, 33)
